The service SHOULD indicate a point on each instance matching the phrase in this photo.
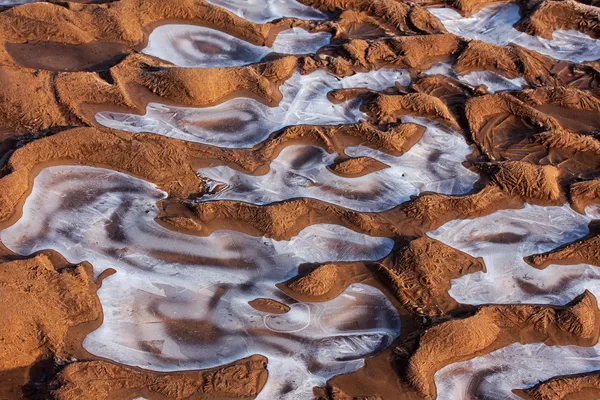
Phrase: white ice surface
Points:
(494, 24)
(201, 47)
(261, 11)
(492, 80)
(518, 366)
(244, 122)
(509, 279)
(107, 218)
(432, 164)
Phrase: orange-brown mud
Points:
(60, 62)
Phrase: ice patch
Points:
(261, 11)
(432, 164)
(244, 122)
(518, 366)
(494, 24)
(201, 47)
(503, 239)
(492, 80)
(181, 302)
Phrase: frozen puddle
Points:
(201, 47)
(432, 164)
(518, 366)
(181, 302)
(503, 239)
(494, 24)
(244, 122)
(261, 11)
(494, 82)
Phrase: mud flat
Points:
(313, 199)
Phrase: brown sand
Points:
(568, 388)
(61, 62)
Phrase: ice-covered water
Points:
(518, 366)
(495, 24)
(15, 2)
(433, 164)
(201, 47)
(503, 239)
(494, 82)
(244, 122)
(179, 301)
(261, 11)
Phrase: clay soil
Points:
(60, 62)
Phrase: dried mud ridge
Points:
(526, 146)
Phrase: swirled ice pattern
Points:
(494, 24)
(518, 366)
(244, 122)
(261, 11)
(502, 239)
(181, 302)
(494, 82)
(201, 47)
(432, 164)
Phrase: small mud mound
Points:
(317, 283)
(355, 167)
(269, 306)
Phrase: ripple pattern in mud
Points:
(179, 301)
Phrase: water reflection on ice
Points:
(494, 24)
(261, 11)
(433, 164)
(201, 47)
(244, 122)
(178, 301)
(518, 366)
(492, 80)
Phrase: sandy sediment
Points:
(99, 380)
(421, 272)
(569, 387)
(493, 327)
(530, 145)
(543, 17)
(512, 183)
